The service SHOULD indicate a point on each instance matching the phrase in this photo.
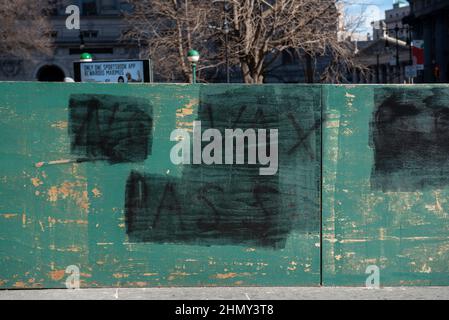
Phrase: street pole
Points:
(410, 45)
(410, 51)
(378, 68)
(82, 43)
(226, 31)
(398, 68)
(193, 56)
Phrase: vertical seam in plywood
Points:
(321, 185)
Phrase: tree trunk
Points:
(309, 69)
(181, 55)
(250, 75)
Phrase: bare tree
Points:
(263, 29)
(167, 29)
(259, 31)
(24, 28)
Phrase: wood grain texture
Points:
(385, 188)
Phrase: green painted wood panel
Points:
(385, 191)
(125, 215)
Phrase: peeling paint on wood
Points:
(65, 196)
(63, 204)
(384, 185)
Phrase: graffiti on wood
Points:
(222, 203)
(410, 134)
(111, 128)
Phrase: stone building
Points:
(430, 22)
(389, 53)
(379, 29)
(102, 25)
(393, 19)
(101, 28)
(380, 57)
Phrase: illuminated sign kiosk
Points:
(117, 71)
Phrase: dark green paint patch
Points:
(113, 128)
(410, 138)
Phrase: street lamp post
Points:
(409, 42)
(226, 32)
(225, 29)
(82, 43)
(398, 68)
(377, 67)
(86, 57)
(193, 56)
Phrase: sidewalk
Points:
(227, 293)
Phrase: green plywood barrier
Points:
(87, 181)
(385, 184)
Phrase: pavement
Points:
(233, 293)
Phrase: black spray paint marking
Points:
(302, 136)
(229, 204)
(159, 209)
(410, 138)
(113, 128)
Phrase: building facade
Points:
(386, 60)
(393, 25)
(379, 29)
(430, 22)
(393, 19)
(102, 25)
(387, 56)
(101, 28)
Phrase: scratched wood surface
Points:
(385, 190)
(67, 156)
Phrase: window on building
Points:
(125, 6)
(61, 5)
(77, 51)
(89, 34)
(52, 34)
(89, 7)
(53, 7)
(108, 6)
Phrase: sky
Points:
(370, 10)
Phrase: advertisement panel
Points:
(418, 54)
(122, 71)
